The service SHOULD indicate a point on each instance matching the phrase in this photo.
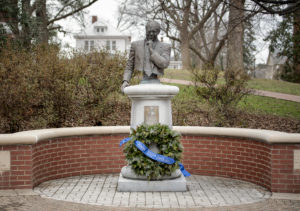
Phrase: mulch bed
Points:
(183, 115)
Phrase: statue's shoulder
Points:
(165, 45)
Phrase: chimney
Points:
(94, 19)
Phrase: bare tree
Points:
(36, 19)
(202, 27)
(210, 39)
(180, 15)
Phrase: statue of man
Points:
(149, 56)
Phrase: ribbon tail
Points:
(125, 140)
(183, 171)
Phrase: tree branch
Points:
(172, 14)
(292, 6)
(63, 8)
(198, 53)
(72, 12)
(205, 18)
(277, 2)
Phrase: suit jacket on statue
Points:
(159, 60)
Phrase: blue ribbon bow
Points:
(157, 157)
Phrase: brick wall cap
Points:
(34, 136)
(268, 136)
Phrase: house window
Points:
(98, 30)
(86, 45)
(108, 45)
(113, 45)
(102, 29)
(91, 44)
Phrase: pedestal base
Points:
(131, 185)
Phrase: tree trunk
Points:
(185, 50)
(296, 35)
(209, 64)
(235, 65)
(25, 22)
(42, 22)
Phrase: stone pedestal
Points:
(151, 104)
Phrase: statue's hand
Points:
(150, 46)
(150, 43)
(124, 85)
(151, 51)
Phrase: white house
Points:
(273, 68)
(98, 35)
(175, 65)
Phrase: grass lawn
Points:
(251, 103)
(260, 84)
(178, 74)
(267, 105)
(275, 86)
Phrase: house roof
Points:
(90, 31)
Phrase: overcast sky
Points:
(108, 11)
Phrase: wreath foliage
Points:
(168, 143)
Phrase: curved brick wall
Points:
(266, 164)
(228, 157)
(65, 157)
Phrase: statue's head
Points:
(152, 30)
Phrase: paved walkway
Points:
(276, 95)
(98, 192)
(202, 192)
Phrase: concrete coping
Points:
(34, 136)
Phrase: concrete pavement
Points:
(98, 192)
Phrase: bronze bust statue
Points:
(149, 56)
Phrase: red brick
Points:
(281, 166)
(17, 183)
(17, 162)
(286, 162)
(17, 172)
(28, 152)
(293, 187)
(286, 151)
(24, 157)
(24, 177)
(9, 148)
(279, 176)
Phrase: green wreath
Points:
(168, 143)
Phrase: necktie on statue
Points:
(147, 62)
